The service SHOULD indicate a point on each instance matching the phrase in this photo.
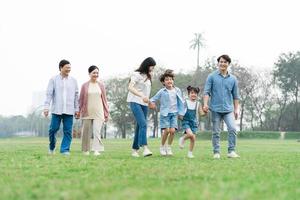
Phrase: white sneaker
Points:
(97, 153)
(162, 151)
(190, 155)
(86, 153)
(101, 149)
(51, 152)
(217, 156)
(147, 152)
(67, 153)
(135, 154)
(181, 142)
(232, 155)
(169, 151)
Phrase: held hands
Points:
(145, 99)
(46, 112)
(202, 113)
(205, 109)
(77, 115)
(151, 105)
(180, 117)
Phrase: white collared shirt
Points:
(62, 93)
(64, 79)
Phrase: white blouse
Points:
(141, 84)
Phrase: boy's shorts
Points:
(169, 121)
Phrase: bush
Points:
(206, 135)
(258, 135)
(292, 135)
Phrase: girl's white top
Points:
(191, 105)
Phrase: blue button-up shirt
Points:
(222, 91)
(163, 96)
(63, 94)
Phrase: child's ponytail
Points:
(191, 88)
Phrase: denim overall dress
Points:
(190, 119)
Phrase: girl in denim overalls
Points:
(190, 119)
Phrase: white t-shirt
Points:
(141, 84)
(173, 100)
(64, 95)
(191, 105)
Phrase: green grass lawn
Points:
(267, 169)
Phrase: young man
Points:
(222, 88)
(62, 91)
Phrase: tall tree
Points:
(119, 110)
(262, 97)
(197, 43)
(287, 77)
(247, 82)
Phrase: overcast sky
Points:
(117, 35)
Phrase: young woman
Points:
(138, 97)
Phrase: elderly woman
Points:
(94, 111)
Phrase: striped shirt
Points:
(62, 92)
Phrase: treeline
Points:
(269, 99)
(32, 124)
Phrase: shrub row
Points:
(252, 135)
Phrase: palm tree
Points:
(197, 42)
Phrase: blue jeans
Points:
(229, 120)
(140, 114)
(67, 121)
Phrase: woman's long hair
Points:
(144, 67)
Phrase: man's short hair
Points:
(225, 57)
(62, 63)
